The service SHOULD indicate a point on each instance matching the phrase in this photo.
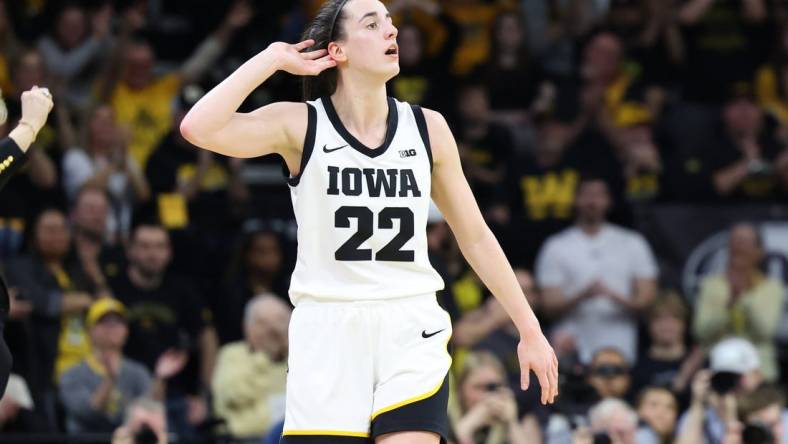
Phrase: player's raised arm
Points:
(214, 123)
(453, 196)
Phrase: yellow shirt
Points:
(147, 112)
(73, 344)
(754, 315)
(768, 93)
(248, 389)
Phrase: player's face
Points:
(370, 43)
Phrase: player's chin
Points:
(391, 71)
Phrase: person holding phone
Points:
(36, 105)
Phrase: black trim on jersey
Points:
(421, 122)
(323, 439)
(309, 144)
(429, 414)
(391, 128)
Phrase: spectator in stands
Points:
(659, 409)
(639, 155)
(249, 383)
(9, 46)
(166, 311)
(747, 162)
(596, 277)
(485, 147)
(97, 391)
(734, 370)
(742, 300)
(612, 420)
(60, 294)
(715, 33)
(488, 411)
(668, 361)
(511, 76)
(259, 267)
(609, 374)
(143, 102)
(145, 418)
(764, 410)
(770, 83)
(73, 49)
(17, 411)
(423, 79)
(104, 162)
(99, 256)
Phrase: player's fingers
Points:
(553, 376)
(304, 45)
(525, 376)
(544, 384)
(312, 55)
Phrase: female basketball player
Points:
(368, 357)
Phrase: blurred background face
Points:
(742, 117)
(666, 329)
(411, 49)
(478, 383)
(592, 201)
(110, 332)
(602, 58)
(266, 330)
(90, 212)
(553, 138)
(509, 33)
(770, 418)
(619, 425)
(71, 27)
(52, 237)
(474, 104)
(139, 65)
(30, 71)
(659, 409)
(609, 375)
(103, 132)
(265, 254)
(526, 281)
(149, 251)
(744, 250)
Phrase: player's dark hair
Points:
(325, 28)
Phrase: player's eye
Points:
(373, 25)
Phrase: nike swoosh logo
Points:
(331, 150)
(426, 335)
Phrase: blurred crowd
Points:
(149, 279)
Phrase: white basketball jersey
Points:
(362, 212)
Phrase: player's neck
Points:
(362, 110)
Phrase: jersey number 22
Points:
(350, 251)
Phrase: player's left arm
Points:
(453, 196)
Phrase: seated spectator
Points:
(659, 409)
(613, 421)
(97, 391)
(746, 162)
(145, 419)
(17, 412)
(637, 150)
(257, 268)
(99, 256)
(734, 370)
(166, 311)
(249, 382)
(75, 47)
(596, 277)
(488, 411)
(742, 301)
(104, 162)
(60, 294)
(763, 413)
(667, 362)
(609, 374)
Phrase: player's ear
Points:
(337, 52)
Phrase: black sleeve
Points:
(11, 158)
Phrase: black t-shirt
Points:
(723, 34)
(763, 185)
(490, 151)
(170, 316)
(510, 88)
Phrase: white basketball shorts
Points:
(361, 369)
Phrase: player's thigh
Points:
(408, 438)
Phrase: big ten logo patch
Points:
(407, 153)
